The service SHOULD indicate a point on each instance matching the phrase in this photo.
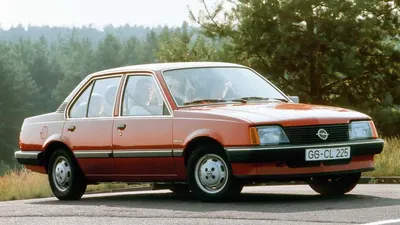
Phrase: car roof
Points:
(164, 66)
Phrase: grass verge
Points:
(388, 162)
(24, 184)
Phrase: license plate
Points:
(319, 154)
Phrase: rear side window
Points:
(103, 96)
(97, 100)
(79, 108)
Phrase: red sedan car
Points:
(203, 128)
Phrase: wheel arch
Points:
(50, 148)
(198, 141)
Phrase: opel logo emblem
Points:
(322, 134)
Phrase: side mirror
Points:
(295, 99)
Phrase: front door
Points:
(142, 134)
(88, 127)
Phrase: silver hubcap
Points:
(211, 173)
(62, 175)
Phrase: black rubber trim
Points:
(292, 177)
(30, 162)
(296, 155)
(38, 161)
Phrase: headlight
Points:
(272, 135)
(360, 130)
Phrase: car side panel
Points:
(40, 129)
(37, 132)
(144, 147)
(187, 127)
(91, 144)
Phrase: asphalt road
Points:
(257, 205)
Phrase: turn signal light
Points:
(254, 139)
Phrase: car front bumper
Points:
(294, 155)
(287, 162)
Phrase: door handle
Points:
(121, 126)
(71, 128)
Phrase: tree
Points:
(183, 44)
(108, 54)
(131, 52)
(149, 48)
(76, 59)
(44, 70)
(326, 51)
(17, 98)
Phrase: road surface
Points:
(275, 205)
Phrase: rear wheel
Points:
(210, 175)
(66, 179)
(335, 186)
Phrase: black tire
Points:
(335, 186)
(229, 189)
(74, 184)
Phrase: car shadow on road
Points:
(251, 202)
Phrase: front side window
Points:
(141, 97)
(193, 85)
(102, 98)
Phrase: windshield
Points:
(218, 84)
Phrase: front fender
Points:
(204, 133)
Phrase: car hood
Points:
(285, 114)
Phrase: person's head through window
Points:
(96, 105)
(219, 88)
(144, 92)
(110, 94)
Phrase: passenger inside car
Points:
(142, 98)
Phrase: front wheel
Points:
(66, 179)
(210, 175)
(335, 186)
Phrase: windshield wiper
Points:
(261, 98)
(213, 101)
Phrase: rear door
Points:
(88, 127)
(142, 134)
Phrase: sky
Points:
(98, 13)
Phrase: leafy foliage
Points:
(17, 91)
(325, 51)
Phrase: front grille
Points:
(308, 134)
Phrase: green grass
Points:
(388, 162)
(24, 184)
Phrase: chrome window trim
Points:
(232, 66)
(83, 88)
(151, 74)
